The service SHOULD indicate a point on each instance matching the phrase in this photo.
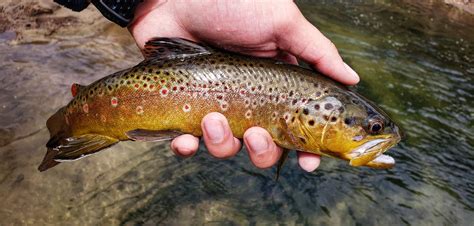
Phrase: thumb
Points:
(302, 39)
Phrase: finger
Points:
(218, 137)
(262, 150)
(185, 145)
(307, 161)
(300, 38)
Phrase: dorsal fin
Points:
(170, 48)
(76, 88)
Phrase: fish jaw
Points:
(371, 153)
(382, 162)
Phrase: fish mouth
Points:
(371, 150)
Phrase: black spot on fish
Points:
(311, 122)
(303, 140)
(341, 109)
(328, 106)
(305, 111)
(349, 121)
(333, 118)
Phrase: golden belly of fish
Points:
(180, 82)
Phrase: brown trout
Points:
(180, 81)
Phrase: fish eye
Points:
(375, 126)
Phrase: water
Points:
(416, 61)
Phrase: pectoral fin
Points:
(73, 148)
(152, 135)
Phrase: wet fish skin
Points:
(180, 82)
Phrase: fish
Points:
(180, 81)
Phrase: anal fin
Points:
(73, 148)
(152, 135)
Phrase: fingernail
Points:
(214, 130)
(351, 71)
(258, 143)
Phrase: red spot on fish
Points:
(152, 86)
(175, 88)
(85, 108)
(186, 108)
(74, 90)
(114, 101)
(253, 88)
(139, 110)
(242, 92)
(220, 97)
(204, 86)
(164, 91)
(163, 81)
(137, 86)
(181, 88)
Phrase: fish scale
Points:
(180, 82)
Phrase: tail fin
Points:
(48, 160)
(58, 129)
(62, 146)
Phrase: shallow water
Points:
(415, 60)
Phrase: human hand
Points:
(260, 28)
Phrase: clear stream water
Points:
(415, 60)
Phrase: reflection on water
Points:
(414, 59)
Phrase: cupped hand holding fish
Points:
(259, 28)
